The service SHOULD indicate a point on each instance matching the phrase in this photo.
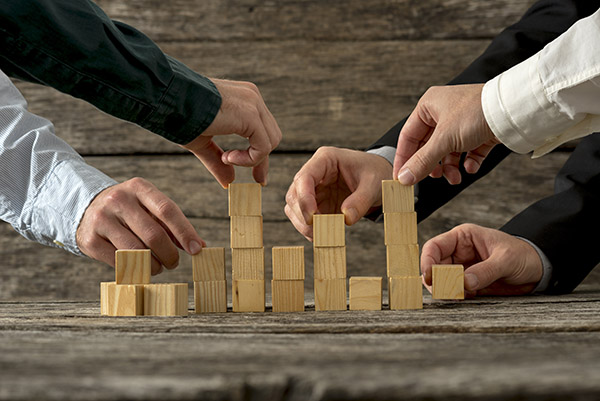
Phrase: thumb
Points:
(481, 275)
(423, 161)
(210, 154)
(358, 203)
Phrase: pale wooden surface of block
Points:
(248, 295)
(104, 304)
(210, 296)
(132, 266)
(397, 197)
(248, 263)
(400, 228)
(245, 200)
(403, 260)
(330, 263)
(122, 299)
(209, 264)
(287, 295)
(246, 231)
(330, 294)
(405, 293)
(169, 299)
(329, 230)
(288, 263)
(366, 293)
(448, 282)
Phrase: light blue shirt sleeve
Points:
(45, 185)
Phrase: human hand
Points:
(136, 215)
(336, 180)
(243, 112)
(447, 121)
(495, 263)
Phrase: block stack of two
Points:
(247, 249)
(329, 241)
(210, 281)
(287, 286)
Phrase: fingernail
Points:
(195, 247)
(471, 282)
(351, 214)
(406, 177)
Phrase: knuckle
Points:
(166, 209)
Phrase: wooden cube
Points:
(209, 264)
(330, 263)
(330, 294)
(405, 293)
(365, 293)
(448, 282)
(403, 260)
(248, 295)
(287, 295)
(397, 198)
(288, 262)
(248, 263)
(121, 299)
(245, 200)
(104, 296)
(166, 299)
(246, 232)
(132, 266)
(329, 230)
(210, 296)
(400, 228)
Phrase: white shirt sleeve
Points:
(45, 186)
(552, 97)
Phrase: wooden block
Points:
(210, 296)
(209, 264)
(166, 299)
(288, 263)
(405, 293)
(330, 294)
(396, 197)
(448, 282)
(403, 260)
(287, 295)
(248, 263)
(121, 299)
(400, 228)
(329, 230)
(248, 295)
(132, 266)
(245, 200)
(330, 263)
(365, 293)
(246, 232)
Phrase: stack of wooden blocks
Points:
(247, 249)
(329, 240)
(210, 281)
(131, 294)
(287, 286)
(400, 223)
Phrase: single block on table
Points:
(245, 200)
(405, 293)
(330, 263)
(329, 230)
(288, 263)
(287, 295)
(121, 299)
(330, 294)
(246, 231)
(132, 266)
(248, 295)
(403, 260)
(448, 282)
(210, 296)
(365, 293)
(396, 197)
(248, 263)
(209, 264)
(400, 228)
(166, 299)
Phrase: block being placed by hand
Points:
(397, 198)
(132, 266)
(210, 296)
(405, 292)
(400, 228)
(288, 263)
(330, 263)
(248, 295)
(246, 232)
(287, 295)
(365, 293)
(245, 200)
(330, 294)
(403, 260)
(248, 263)
(329, 230)
(166, 299)
(121, 299)
(448, 282)
(209, 264)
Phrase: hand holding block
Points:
(209, 264)
(330, 294)
(448, 282)
(287, 295)
(330, 263)
(210, 296)
(121, 300)
(400, 228)
(166, 299)
(397, 198)
(403, 260)
(248, 295)
(245, 200)
(329, 230)
(132, 266)
(365, 293)
(288, 263)
(248, 263)
(405, 293)
(246, 232)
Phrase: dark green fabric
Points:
(73, 46)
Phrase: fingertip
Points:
(406, 177)
(471, 282)
(195, 247)
(350, 215)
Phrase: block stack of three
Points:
(287, 286)
(329, 241)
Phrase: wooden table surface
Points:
(537, 347)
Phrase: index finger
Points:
(414, 132)
(438, 250)
(305, 182)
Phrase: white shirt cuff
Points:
(387, 152)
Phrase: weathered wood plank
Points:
(248, 20)
(321, 93)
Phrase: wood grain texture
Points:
(330, 294)
(405, 293)
(245, 199)
(248, 263)
(288, 262)
(121, 299)
(397, 198)
(448, 281)
(246, 231)
(329, 230)
(400, 228)
(330, 263)
(132, 266)
(209, 264)
(248, 295)
(366, 293)
(287, 295)
(403, 260)
(168, 299)
(210, 296)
